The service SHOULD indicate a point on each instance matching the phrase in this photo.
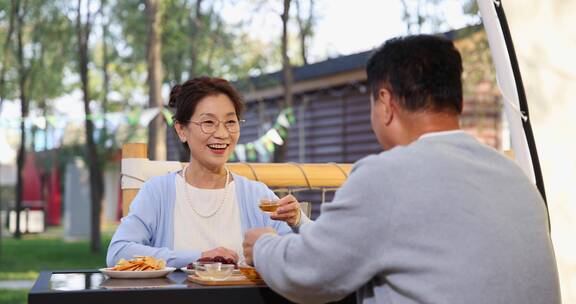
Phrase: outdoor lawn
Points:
(13, 296)
(23, 259)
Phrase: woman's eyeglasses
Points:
(210, 126)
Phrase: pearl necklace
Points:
(190, 201)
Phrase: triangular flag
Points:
(133, 117)
(262, 153)
(168, 116)
(283, 132)
(39, 122)
(251, 152)
(240, 152)
(52, 120)
(268, 144)
(147, 116)
(274, 136)
(283, 120)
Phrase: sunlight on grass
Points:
(23, 259)
(18, 275)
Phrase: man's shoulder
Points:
(390, 157)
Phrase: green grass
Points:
(13, 296)
(23, 259)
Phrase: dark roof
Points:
(311, 71)
(331, 66)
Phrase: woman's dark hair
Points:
(186, 96)
(423, 72)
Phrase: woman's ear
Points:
(180, 131)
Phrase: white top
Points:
(194, 232)
(441, 133)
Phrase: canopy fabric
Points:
(511, 87)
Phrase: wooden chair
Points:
(136, 169)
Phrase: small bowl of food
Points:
(268, 205)
(249, 272)
(213, 271)
(211, 260)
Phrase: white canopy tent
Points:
(512, 89)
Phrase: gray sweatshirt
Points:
(442, 220)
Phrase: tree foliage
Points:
(47, 53)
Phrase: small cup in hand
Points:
(268, 205)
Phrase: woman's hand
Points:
(221, 251)
(288, 211)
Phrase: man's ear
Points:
(387, 106)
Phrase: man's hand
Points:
(221, 251)
(250, 238)
(288, 211)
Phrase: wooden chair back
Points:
(136, 169)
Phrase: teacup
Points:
(268, 205)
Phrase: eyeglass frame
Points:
(217, 124)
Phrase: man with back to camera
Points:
(436, 218)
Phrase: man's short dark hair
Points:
(423, 72)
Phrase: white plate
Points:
(119, 274)
(187, 271)
(191, 271)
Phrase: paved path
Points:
(16, 284)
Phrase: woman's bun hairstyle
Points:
(174, 93)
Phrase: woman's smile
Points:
(218, 149)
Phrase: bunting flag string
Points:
(111, 120)
(262, 149)
(57, 125)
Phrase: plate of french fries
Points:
(140, 267)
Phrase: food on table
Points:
(249, 272)
(210, 260)
(214, 271)
(140, 263)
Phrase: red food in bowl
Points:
(216, 259)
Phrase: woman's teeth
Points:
(217, 146)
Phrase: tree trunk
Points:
(195, 24)
(157, 130)
(303, 52)
(13, 13)
(105, 64)
(96, 179)
(305, 28)
(280, 154)
(22, 75)
(6, 50)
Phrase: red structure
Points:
(39, 195)
(31, 188)
(53, 198)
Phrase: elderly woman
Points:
(204, 209)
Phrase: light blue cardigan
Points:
(148, 229)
